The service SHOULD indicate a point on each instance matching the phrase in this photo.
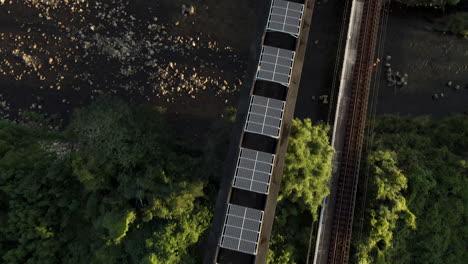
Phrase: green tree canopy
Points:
(307, 166)
(37, 197)
(304, 184)
(388, 205)
(418, 183)
(115, 187)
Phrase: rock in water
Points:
(188, 10)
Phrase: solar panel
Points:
(265, 116)
(285, 17)
(253, 170)
(275, 65)
(241, 230)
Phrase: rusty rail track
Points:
(355, 126)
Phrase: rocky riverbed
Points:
(59, 54)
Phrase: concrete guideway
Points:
(229, 194)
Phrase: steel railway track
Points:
(354, 136)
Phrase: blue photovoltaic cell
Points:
(265, 116)
(285, 17)
(275, 65)
(253, 171)
(241, 230)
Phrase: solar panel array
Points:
(242, 225)
(241, 230)
(285, 17)
(265, 116)
(275, 65)
(253, 170)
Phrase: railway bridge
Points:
(246, 202)
(336, 217)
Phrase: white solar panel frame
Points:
(275, 65)
(285, 17)
(241, 229)
(253, 170)
(273, 112)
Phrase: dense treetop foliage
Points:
(306, 173)
(417, 197)
(388, 205)
(116, 187)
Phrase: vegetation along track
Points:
(350, 160)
